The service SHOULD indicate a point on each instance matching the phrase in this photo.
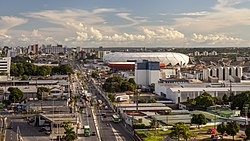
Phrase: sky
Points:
(125, 23)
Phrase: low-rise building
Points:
(182, 92)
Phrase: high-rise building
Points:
(11, 53)
(33, 49)
(49, 49)
(147, 72)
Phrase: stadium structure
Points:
(127, 60)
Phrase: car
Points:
(244, 136)
(47, 132)
(211, 131)
(215, 137)
(42, 130)
(46, 128)
(93, 134)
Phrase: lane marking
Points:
(116, 133)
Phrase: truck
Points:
(86, 131)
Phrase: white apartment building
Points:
(222, 73)
(5, 65)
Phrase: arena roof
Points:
(162, 57)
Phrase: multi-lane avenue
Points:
(107, 130)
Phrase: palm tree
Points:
(70, 134)
(73, 101)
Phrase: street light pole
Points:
(246, 112)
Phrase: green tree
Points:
(204, 100)
(62, 70)
(218, 100)
(199, 119)
(116, 84)
(152, 100)
(131, 80)
(40, 91)
(16, 95)
(222, 128)
(233, 128)
(247, 131)
(180, 130)
(231, 97)
(186, 134)
(240, 100)
(70, 134)
(131, 87)
(29, 68)
(141, 100)
(14, 70)
(25, 77)
(154, 124)
(20, 69)
(43, 71)
(95, 74)
(124, 86)
(225, 98)
(111, 97)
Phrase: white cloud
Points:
(96, 34)
(5, 39)
(215, 39)
(8, 22)
(81, 36)
(23, 38)
(35, 33)
(103, 10)
(201, 13)
(162, 33)
(127, 17)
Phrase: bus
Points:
(86, 131)
(116, 118)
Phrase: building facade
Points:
(182, 92)
(147, 72)
(5, 65)
(222, 73)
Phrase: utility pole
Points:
(215, 118)
(246, 112)
(155, 125)
(230, 86)
(137, 95)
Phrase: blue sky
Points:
(129, 23)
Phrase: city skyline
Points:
(162, 23)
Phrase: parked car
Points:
(215, 137)
(93, 134)
(244, 136)
(211, 131)
(46, 128)
(47, 132)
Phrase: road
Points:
(108, 130)
(84, 117)
(27, 132)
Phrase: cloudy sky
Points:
(127, 23)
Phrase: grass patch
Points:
(207, 114)
(149, 135)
